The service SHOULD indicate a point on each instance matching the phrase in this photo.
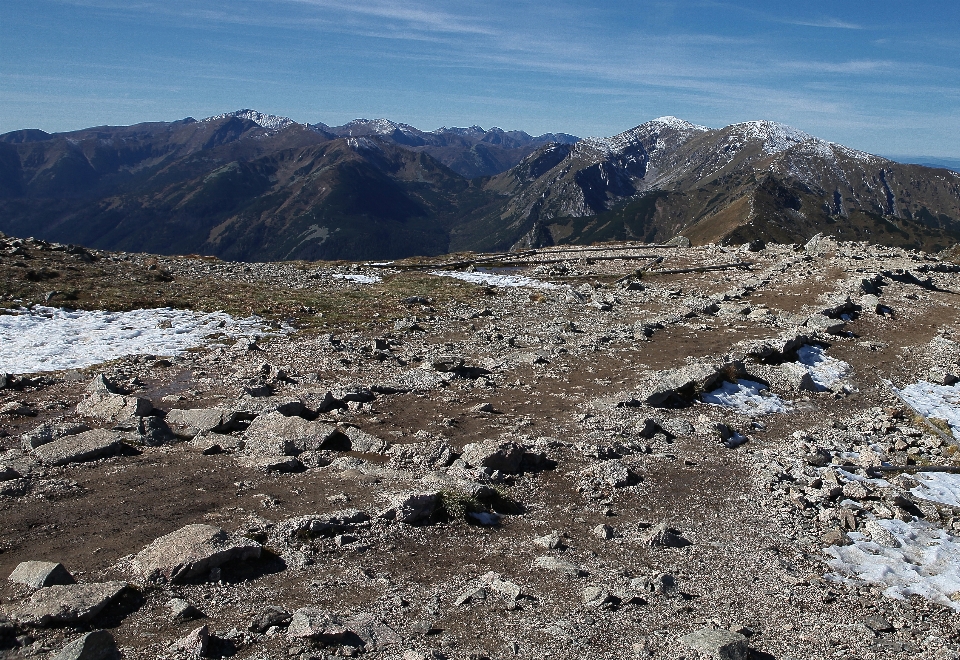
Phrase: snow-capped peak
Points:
(618, 143)
(774, 136)
(471, 130)
(270, 122)
(670, 121)
(379, 126)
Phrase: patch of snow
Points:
(935, 401)
(745, 396)
(271, 122)
(825, 371)
(852, 476)
(496, 280)
(472, 131)
(49, 339)
(381, 263)
(856, 154)
(359, 279)
(915, 558)
(775, 137)
(940, 487)
(617, 144)
(379, 126)
(669, 121)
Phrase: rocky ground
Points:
(404, 465)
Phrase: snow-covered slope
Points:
(270, 122)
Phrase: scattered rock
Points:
(181, 610)
(86, 446)
(604, 532)
(275, 434)
(877, 623)
(412, 508)
(8, 473)
(559, 566)
(316, 625)
(662, 536)
(191, 552)
(193, 646)
(96, 645)
(39, 574)
(189, 423)
(17, 409)
(48, 432)
(67, 604)
(363, 442)
(269, 617)
(719, 644)
(374, 633)
(503, 456)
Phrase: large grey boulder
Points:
(663, 536)
(188, 423)
(104, 403)
(48, 432)
(823, 323)
(504, 456)
(795, 377)
(412, 508)
(311, 623)
(374, 633)
(67, 604)
(192, 552)
(87, 446)
(193, 646)
(275, 434)
(39, 574)
(772, 349)
(363, 442)
(96, 645)
(269, 617)
(676, 386)
(719, 644)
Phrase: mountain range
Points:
(250, 186)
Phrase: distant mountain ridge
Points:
(252, 186)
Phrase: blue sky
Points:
(881, 76)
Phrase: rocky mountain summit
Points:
(248, 186)
(618, 451)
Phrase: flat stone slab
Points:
(559, 566)
(275, 434)
(315, 624)
(192, 552)
(202, 420)
(39, 574)
(88, 446)
(48, 432)
(67, 604)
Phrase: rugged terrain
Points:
(408, 465)
(251, 187)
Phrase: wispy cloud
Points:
(832, 23)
